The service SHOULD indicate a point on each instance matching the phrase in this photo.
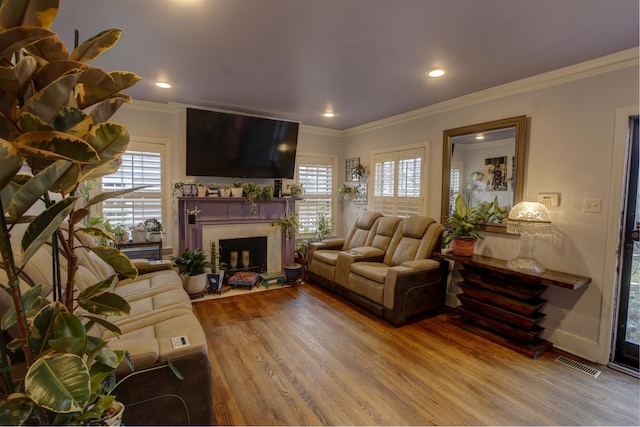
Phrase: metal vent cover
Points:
(581, 367)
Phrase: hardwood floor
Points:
(301, 356)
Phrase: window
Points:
(398, 182)
(316, 176)
(141, 166)
(456, 171)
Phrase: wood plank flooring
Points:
(302, 356)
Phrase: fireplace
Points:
(247, 253)
(223, 219)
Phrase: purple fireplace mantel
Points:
(231, 210)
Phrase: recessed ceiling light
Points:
(436, 73)
(329, 115)
(479, 136)
(163, 85)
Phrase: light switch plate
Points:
(550, 200)
(592, 205)
(181, 341)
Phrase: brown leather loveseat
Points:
(384, 265)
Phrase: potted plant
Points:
(237, 190)
(296, 190)
(463, 227)
(193, 265)
(346, 191)
(139, 233)
(252, 192)
(288, 225)
(192, 214)
(361, 172)
(225, 191)
(154, 229)
(55, 122)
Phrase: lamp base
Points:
(525, 265)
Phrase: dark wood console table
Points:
(148, 250)
(503, 305)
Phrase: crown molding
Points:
(317, 130)
(154, 107)
(604, 64)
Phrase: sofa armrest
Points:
(346, 258)
(401, 278)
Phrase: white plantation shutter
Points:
(316, 176)
(456, 171)
(139, 168)
(398, 182)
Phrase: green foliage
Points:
(465, 223)
(346, 190)
(192, 262)
(288, 225)
(153, 225)
(54, 119)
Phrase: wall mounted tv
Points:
(239, 146)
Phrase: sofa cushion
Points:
(327, 257)
(376, 271)
(371, 290)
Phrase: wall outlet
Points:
(592, 205)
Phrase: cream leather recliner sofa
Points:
(160, 311)
(393, 275)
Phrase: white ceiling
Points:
(364, 59)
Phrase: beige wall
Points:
(572, 150)
(572, 116)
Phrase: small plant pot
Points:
(113, 415)
(197, 285)
(292, 271)
(225, 192)
(155, 236)
(463, 247)
(191, 218)
(138, 236)
(237, 192)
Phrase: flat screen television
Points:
(240, 146)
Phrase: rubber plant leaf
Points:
(49, 49)
(106, 304)
(60, 383)
(14, 80)
(100, 321)
(69, 335)
(28, 13)
(15, 409)
(47, 102)
(28, 298)
(99, 198)
(41, 228)
(116, 259)
(107, 108)
(32, 190)
(88, 95)
(96, 45)
(13, 40)
(11, 161)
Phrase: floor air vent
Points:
(578, 366)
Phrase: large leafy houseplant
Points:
(464, 225)
(54, 114)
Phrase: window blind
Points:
(398, 182)
(139, 168)
(316, 176)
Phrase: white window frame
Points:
(396, 154)
(308, 195)
(161, 146)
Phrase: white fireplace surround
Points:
(215, 233)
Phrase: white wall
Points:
(572, 116)
(570, 148)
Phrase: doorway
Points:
(627, 328)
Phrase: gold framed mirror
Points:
(484, 161)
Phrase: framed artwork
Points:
(495, 173)
(360, 194)
(350, 165)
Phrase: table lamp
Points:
(529, 219)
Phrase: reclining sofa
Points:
(385, 266)
(160, 311)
